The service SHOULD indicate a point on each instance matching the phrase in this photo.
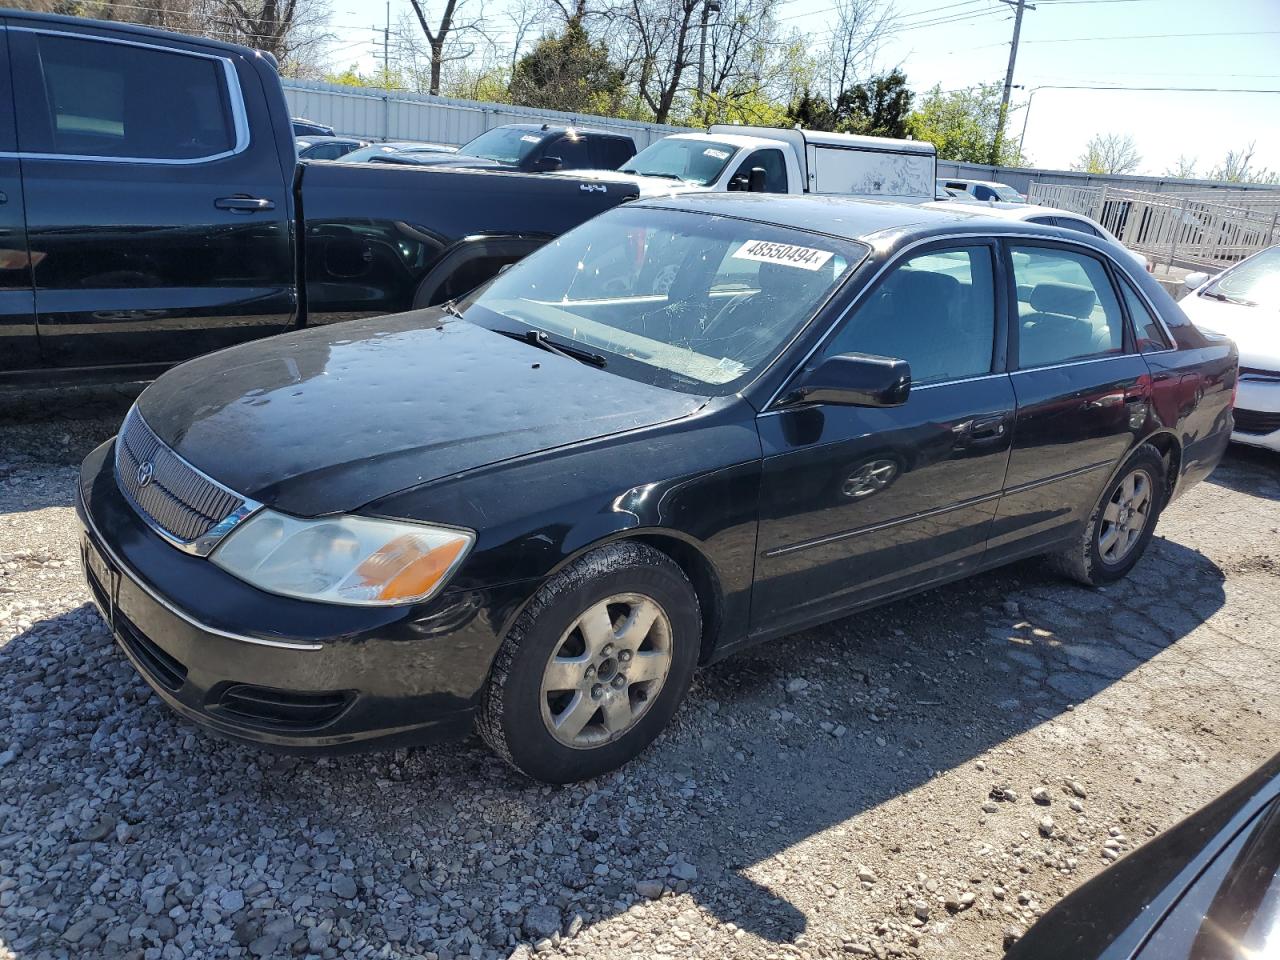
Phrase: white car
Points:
(1049, 216)
(1243, 303)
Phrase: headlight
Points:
(351, 560)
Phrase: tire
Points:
(584, 679)
(1098, 558)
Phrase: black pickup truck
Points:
(152, 208)
(530, 148)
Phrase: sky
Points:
(1225, 45)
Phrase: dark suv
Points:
(532, 148)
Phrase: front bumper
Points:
(1257, 412)
(277, 671)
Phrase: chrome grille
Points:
(176, 499)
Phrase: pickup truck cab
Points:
(531, 148)
(152, 208)
(773, 160)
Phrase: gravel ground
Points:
(918, 781)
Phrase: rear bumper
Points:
(270, 670)
(1257, 413)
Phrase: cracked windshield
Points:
(684, 300)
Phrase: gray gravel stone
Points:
(650, 889)
(541, 921)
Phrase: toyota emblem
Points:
(146, 471)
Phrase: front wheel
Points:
(594, 668)
(1121, 525)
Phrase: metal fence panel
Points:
(399, 115)
(1193, 229)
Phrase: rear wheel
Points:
(595, 667)
(1121, 525)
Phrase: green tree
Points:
(879, 107)
(569, 72)
(379, 79)
(961, 124)
(812, 111)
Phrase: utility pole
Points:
(386, 76)
(708, 7)
(386, 48)
(1018, 6)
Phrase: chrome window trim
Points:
(901, 254)
(126, 570)
(235, 97)
(884, 525)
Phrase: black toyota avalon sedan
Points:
(689, 425)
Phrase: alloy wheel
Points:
(606, 670)
(1125, 516)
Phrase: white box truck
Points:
(776, 160)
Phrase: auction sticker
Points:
(715, 154)
(806, 258)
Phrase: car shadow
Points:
(773, 747)
(1249, 470)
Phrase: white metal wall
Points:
(377, 115)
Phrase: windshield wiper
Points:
(451, 308)
(541, 340)
(1226, 299)
(665, 176)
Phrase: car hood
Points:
(1255, 330)
(329, 419)
(648, 186)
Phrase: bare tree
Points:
(1109, 153)
(861, 27)
(739, 45)
(452, 38)
(1238, 167)
(660, 37)
(289, 30)
(1183, 169)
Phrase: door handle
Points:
(4, 197)
(1135, 396)
(244, 204)
(987, 428)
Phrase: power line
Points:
(1155, 36)
(1055, 86)
(918, 13)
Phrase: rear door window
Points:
(1071, 223)
(574, 153)
(1067, 308)
(97, 98)
(612, 152)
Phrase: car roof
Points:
(553, 128)
(1006, 211)
(143, 32)
(845, 217)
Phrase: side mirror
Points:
(755, 180)
(854, 380)
(1193, 280)
(549, 164)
